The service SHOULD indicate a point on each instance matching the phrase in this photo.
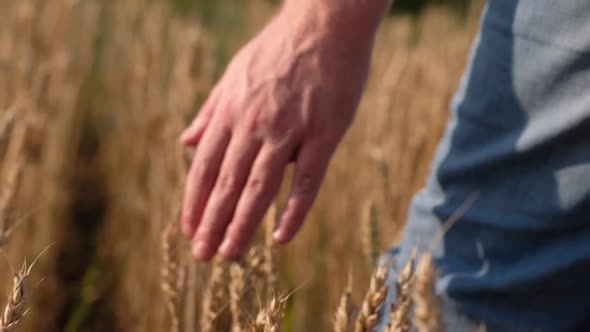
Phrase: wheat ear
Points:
(172, 273)
(237, 290)
(18, 302)
(427, 305)
(256, 280)
(374, 299)
(214, 301)
(404, 284)
(269, 318)
(344, 318)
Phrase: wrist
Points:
(363, 10)
(357, 20)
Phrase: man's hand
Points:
(288, 95)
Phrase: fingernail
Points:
(201, 251)
(227, 248)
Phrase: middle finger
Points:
(233, 175)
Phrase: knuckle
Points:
(234, 234)
(204, 174)
(283, 136)
(228, 185)
(243, 222)
(277, 123)
(240, 231)
(259, 186)
(207, 232)
(306, 185)
(276, 126)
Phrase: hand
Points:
(288, 95)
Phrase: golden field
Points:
(93, 95)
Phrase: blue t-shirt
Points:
(519, 136)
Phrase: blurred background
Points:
(93, 95)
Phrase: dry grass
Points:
(270, 267)
(93, 95)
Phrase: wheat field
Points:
(93, 95)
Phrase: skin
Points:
(289, 95)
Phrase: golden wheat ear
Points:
(18, 303)
(237, 290)
(427, 304)
(215, 296)
(400, 320)
(269, 318)
(172, 273)
(374, 299)
(345, 314)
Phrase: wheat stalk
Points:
(13, 168)
(270, 264)
(404, 284)
(374, 299)
(6, 123)
(370, 233)
(427, 305)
